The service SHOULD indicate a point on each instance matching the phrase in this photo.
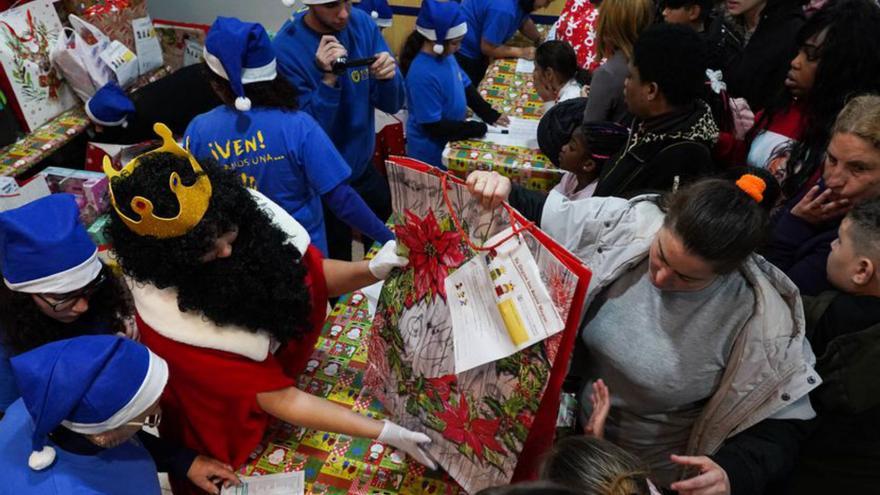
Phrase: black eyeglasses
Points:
(66, 301)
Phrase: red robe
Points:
(210, 402)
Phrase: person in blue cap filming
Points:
(343, 71)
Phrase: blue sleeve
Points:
(426, 98)
(324, 166)
(499, 26)
(348, 206)
(315, 98)
(8, 388)
(388, 96)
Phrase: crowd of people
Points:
(721, 180)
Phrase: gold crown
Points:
(193, 200)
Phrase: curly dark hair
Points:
(25, 327)
(277, 93)
(849, 65)
(674, 57)
(261, 286)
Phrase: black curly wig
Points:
(261, 286)
(25, 327)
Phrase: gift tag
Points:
(193, 52)
(122, 61)
(149, 53)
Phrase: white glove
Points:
(407, 441)
(386, 260)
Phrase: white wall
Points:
(271, 13)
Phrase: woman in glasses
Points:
(55, 287)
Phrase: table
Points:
(513, 93)
(337, 464)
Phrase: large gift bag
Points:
(66, 60)
(489, 423)
(29, 32)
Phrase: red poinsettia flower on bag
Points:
(475, 432)
(432, 252)
(442, 387)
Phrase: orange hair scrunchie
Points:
(752, 185)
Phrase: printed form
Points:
(270, 484)
(499, 304)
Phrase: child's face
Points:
(574, 156)
(843, 262)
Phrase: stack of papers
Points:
(521, 132)
(270, 484)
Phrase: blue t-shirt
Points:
(435, 91)
(283, 154)
(121, 470)
(495, 21)
(345, 112)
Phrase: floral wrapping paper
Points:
(478, 420)
(513, 93)
(337, 464)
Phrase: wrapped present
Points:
(577, 25)
(181, 44)
(89, 189)
(112, 17)
(14, 194)
(30, 81)
(96, 230)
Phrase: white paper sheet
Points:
(523, 65)
(270, 484)
(499, 305)
(520, 132)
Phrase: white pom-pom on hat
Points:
(438, 48)
(243, 103)
(288, 3)
(40, 460)
(374, 14)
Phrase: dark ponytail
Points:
(560, 56)
(411, 47)
(723, 221)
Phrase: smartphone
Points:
(339, 67)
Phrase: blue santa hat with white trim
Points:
(89, 384)
(44, 249)
(378, 10)
(440, 22)
(110, 106)
(241, 53)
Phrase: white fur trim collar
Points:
(158, 307)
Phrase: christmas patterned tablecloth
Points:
(337, 464)
(512, 93)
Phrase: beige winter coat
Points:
(770, 371)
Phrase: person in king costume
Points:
(228, 291)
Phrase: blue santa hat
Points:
(378, 10)
(110, 106)
(241, 53)
(44, 249)
(90, 384)
(441, 21)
